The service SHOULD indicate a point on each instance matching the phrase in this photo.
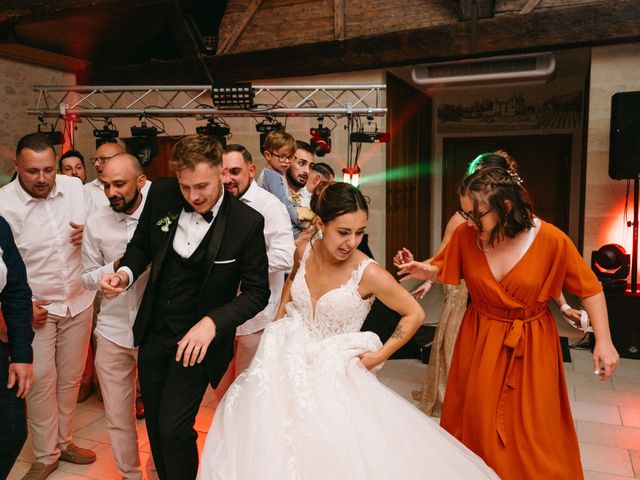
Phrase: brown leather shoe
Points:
(75, 454)
(40, 471)
(86, 389)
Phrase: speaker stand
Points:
(634, 247)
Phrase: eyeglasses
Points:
(282, 158)
(101, 160)
(469, 215)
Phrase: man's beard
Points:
(294, 181)
(128, 205)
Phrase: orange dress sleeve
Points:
(449, 260)
(568, 269)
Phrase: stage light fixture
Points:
(611, 265)
(370, 137)
(107, 134)
(370, 134)
(144, 142)
(351, 175)
(266, 126)
(54, 136)
(215, 128)
(320, 139)
(237, 96)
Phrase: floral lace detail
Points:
(321, 321)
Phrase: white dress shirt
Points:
(95, 189)
(42, 233)
(192, 228)
(106, 235)
(3, 272)
(305, 197)
(189, 234)
(280, 247)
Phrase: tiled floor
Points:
(607, 416)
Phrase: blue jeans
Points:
(13, 419)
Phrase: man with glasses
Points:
(279, 149)
(95, 188)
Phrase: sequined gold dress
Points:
(453, 308)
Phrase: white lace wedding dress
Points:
(307, 409)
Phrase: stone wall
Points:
(16, 80)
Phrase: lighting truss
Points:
(195, 100)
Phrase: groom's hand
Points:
(193, 346)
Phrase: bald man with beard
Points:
(106, 235)
(95, 188)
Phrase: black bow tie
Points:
(208, 216)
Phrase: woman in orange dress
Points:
(506, 396)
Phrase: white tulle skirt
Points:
(307, 410)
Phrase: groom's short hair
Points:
(194, 149)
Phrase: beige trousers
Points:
(59, 354)
(245, 349)
(116, 369)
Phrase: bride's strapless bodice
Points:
(339, 311)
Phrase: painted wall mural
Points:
(511, 111)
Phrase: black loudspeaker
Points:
(624, 140)
(624, 322)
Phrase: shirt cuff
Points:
(129, 273)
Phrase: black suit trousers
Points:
(172, 395)
(13, 418)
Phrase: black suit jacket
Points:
(236, 255)
(16, 299)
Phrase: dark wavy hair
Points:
(335, 199)
(496, 186)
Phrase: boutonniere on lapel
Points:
(165, 222)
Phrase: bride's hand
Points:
(403, 256)
(371, 359)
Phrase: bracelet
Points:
(565, 307)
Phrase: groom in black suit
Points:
(202, 245)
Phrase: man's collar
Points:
(250, 195)
(96, 181)
(216, 207)
(122, 216)
(26, 197)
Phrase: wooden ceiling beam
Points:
(567, 27)
(16, 11)
(23, 53)
(230, 40)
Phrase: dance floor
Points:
(607, 417)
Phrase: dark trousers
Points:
(13, 419)
(172, 395)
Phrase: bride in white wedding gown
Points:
(309, 407)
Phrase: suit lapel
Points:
(219, 225)
(168, 239)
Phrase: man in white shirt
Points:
(320, 172)
(238, 172)
(95, 188)
(106, 234)
(46, 213)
